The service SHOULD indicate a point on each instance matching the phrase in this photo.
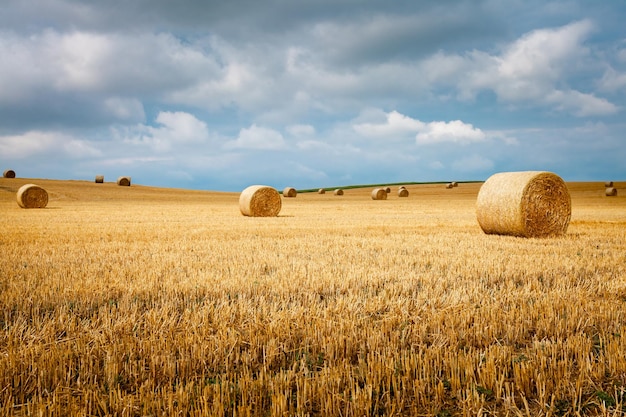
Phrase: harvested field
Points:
(151, 301)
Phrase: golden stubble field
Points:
(138, 301)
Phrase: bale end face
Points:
(524, 204)
(260, 201)
(32, 196)
(9, 173)
(338, 191)
(123, 181)
(403, 192)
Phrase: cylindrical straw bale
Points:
(403, 192)
(454, 184)
(32, 196)
(610, 192)
(525, 204)
(608, 184)
(123, 181)
(338, 191)
(387, 189)
(99, 179)
(260, 201)
(379, 194)
(321, 191)
(9, 173)
(449, 185)
(289, 192)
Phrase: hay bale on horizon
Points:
(99, 179)
(289, 192)
(338, 191)
(610, 192)
(454, 184)
(403, 192)
(9, 173)
(524, 204)
(449, 185)
(123, 181)
(32, 196)
(260, 201)
(608, 184)
(387, 190)
(321, 191)
(379, 194)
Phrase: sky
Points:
(220, 95)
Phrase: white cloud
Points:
(301, 130)
(34, 143)
(455, 131)
(256, 137)
(612, 80)
(396, 125)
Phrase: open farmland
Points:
(143, 301)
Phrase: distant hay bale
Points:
(608, 184)
(387, 189)
(338, 191)
(401, 187)
(454, 184)
(449, 185)
(99, 179)
(611, 192)
(525, 204)
(379, 194)
(260, 201)
(32, 196)
(321, 191)
(289, 192)
(403, 192)
(123, 181)
(9, 173)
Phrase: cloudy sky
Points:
(218, 95)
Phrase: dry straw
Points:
(99, 179)
(123, 181)
(379, 194)
(403, 192)
(260, 201)
(9, 173)
(608, 184)
(388, 189)
(611, 192)
(338, 191)
(449, 185)
(32, 196)
(289, 192)
(321, 191)
(454, 184)
(525, 204)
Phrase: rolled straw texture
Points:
(32, 196)
(321, 191)
(338, 191)
(289, 192)
(610, 192)
(9, 173)
(123, 181)
(99, 179)
(525, 204)
(403, 192)
(379, 194)
(260, 201)
(608, 184)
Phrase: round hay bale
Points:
(608, 184)
(123, 181)
(32, 196)
(454, 184)
(289, 192)
(9, 173)
(99, 179)
(449, 185)
(379, 194)
(403, 192)
(260, 201)
(338, 191)
(525, 204)
(321, 191)
(610, 192)
(387, 189)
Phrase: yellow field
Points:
(137, 301)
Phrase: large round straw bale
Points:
(379, 194)
(608, 184)
(610, 192)
(99, 179)
(387, 189)
(403, 192)
(525, 204)
(9, 173)
(32, 196)
(321, 191)
(338, 191)
(449, 185)
(260, 201)
(124, 181)
(289, 192)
